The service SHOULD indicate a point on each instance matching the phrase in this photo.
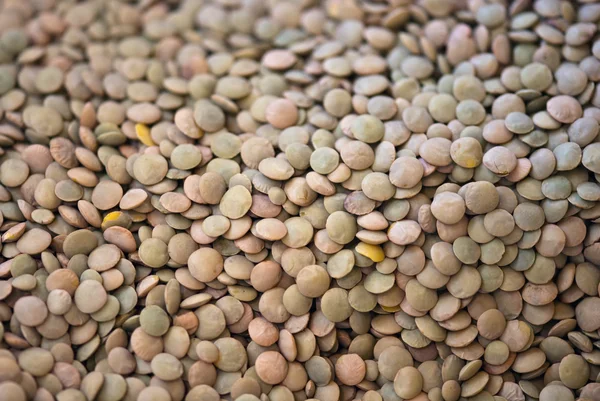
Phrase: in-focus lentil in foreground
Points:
(290, 200)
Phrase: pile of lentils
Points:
(293, 200)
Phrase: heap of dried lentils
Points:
(291, 200)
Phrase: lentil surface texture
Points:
(297, 200)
